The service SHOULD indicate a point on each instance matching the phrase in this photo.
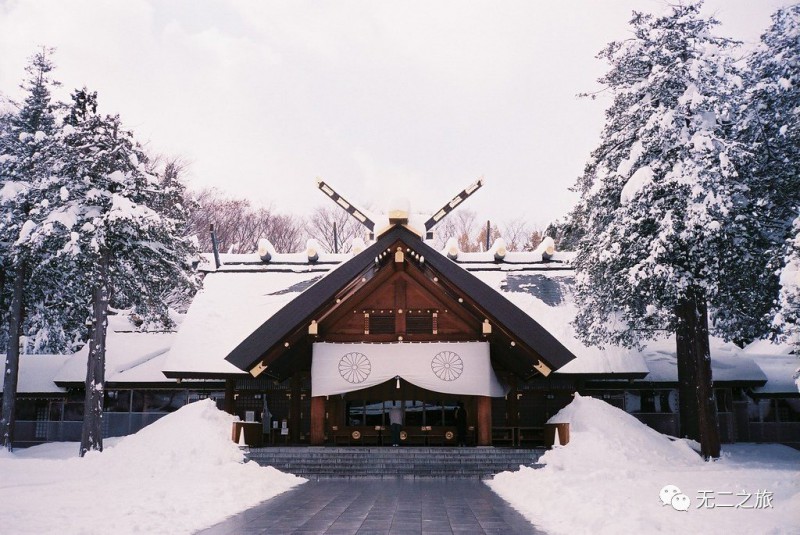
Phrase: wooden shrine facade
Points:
(397, 291)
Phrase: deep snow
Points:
(177, 475)
(609, 477)
(183, 473)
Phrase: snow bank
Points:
(197, 434)
(178, 475)
(601, 432)
(608, 479)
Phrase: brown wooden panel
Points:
(484, 423)
(317, 420)
(400, 291)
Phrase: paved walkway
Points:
(380, 506)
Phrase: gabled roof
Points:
(272, 333)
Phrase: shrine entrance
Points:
(429, 418)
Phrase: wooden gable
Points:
(398, 305)
(390, 292)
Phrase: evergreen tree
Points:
(771, 128)
(25, 161)
(664, 207)
(787, 318)
(114, 243)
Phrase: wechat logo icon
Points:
(672, 495)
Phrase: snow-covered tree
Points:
(664, 207)
(788, 317)
(771, 128)
(26, 157)
(112, 243)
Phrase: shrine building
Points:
(315, 348)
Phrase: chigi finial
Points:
(399, 212)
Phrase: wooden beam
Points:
(449, 207)
(400, 307)
(347, 206)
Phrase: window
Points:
(165, 401)
(137, 405)
(414, 413)
(355, 413)
(381, 324)
(117, 401)
(433, 413)
(724, 399)
(650, 401)
(374, 413)
(73, 411)
(419, 323)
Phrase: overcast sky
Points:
(380, 99)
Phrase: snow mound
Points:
(607, 480)
(196, 434)
(600, 432)
(178, 475)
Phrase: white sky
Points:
(380, 99)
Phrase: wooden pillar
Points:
(484, 423)
(229, 405)
(400, 307)
(317, 420)
(294, 409)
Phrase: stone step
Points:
(382, 462)
(397, 462)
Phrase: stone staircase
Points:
(389, 463)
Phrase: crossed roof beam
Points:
(360, 215)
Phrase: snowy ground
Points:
(182, 473)
(609, 479)
(177, 475)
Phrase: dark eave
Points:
(304, 307)
(216, 382)
(640, 382)
(203, 375)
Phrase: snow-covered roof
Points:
(781, 372)
(231, 305)
(239, 297)
(131, 357)
(543, 291)
(36, 374)
(728, 363)
(779, 364)
(245, 292)
(278, 261)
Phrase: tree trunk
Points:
(2, 292)
(12, 358)
(698, 407)
(92, 432)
